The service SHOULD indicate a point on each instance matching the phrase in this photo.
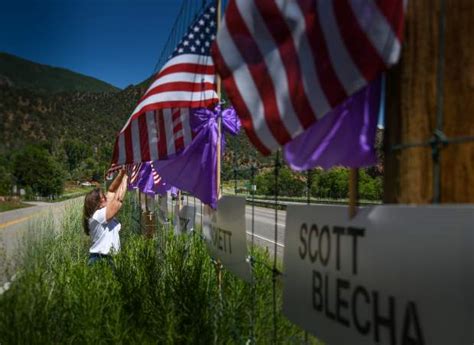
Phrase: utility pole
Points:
(430, 107)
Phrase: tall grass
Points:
(152, 293)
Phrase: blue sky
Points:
(117, 41)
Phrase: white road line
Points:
(265, 239)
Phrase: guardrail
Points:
(282, 204)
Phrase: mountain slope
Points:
(33, 117)
(20, 73)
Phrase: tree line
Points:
(42, 169)
(324, 184)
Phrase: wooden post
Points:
(411, 106)
(353, 192)
(219, 156)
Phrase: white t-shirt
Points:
(104, 235)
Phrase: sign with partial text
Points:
(394, 274)
(184, 220)
(163, 209)
(225, 234)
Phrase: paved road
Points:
(16, 224)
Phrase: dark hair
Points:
(91, 204)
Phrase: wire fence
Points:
(437, 142)
(148, 208)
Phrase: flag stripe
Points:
(136, 138)
(346, 70)
(233, 89)
(183, 77)
(121, 158)
(252, 56)
(359, 47)
(187, 68)
(163, 99)
(180, 86)
(332, 87)
(128, 145)
(144, 142)
(189, 59)
(393, 11)
(170, 142)
(312, 87)
(152, 134)
(274, 64)
(187, 132)
(378, 31)
(283, 39)
(162, 141)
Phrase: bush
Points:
(289, 183)
(370, 188)
(148, 296)
(35, 167)
(334, 184)
(5, 181)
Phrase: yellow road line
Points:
(16, 221)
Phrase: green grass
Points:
(11, 205)
(159, 291)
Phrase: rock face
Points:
(5, 81)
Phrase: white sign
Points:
(225, 235)
(184, 220)
(163, 209)
(392, 275)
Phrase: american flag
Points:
(156, 176)
(133, 172)
(160, 124)
(285, 64)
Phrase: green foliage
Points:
(5, 181)
(34, 167)
(11, 205)
(325, 184)
(72, 126)
(333, 183)
(156, 292)
(23, 73)
(289, 183)
(76, 151)
(370, 188)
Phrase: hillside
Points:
(31, 114)
(51, 118)
(20, 73)
(31, 117)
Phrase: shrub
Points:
(159, 291)
(289, 182)
(35, 167)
